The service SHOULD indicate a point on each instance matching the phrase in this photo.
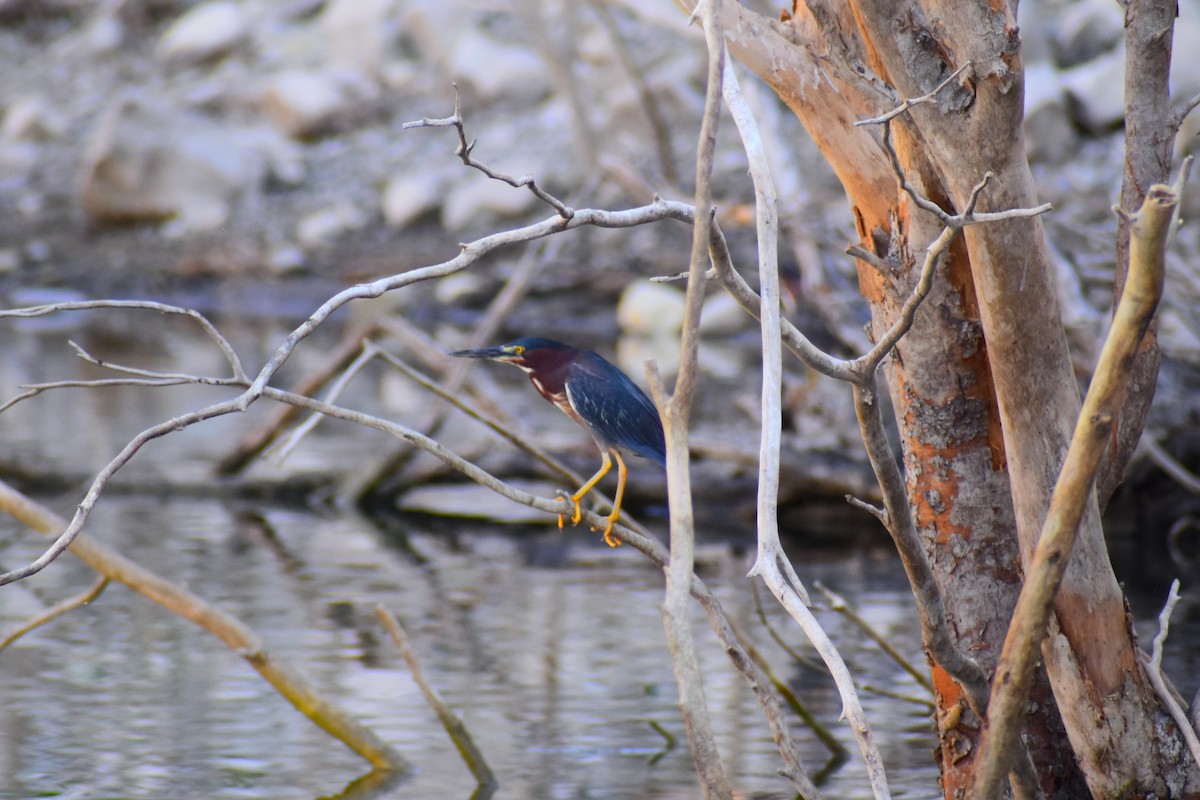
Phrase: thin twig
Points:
(464, 152)
(235, 364)
(1184, 110)
(453, 724)
(916, 101)
(34, 389)
(56, 611)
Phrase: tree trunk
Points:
(983, 386)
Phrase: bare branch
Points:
(1167, 463)
(852, 708)
(235, 364)
(1184, 111)
(867, 257)
(34, 389)
(675, 411)
(464, 152)
(1159, 682)
(1074, 488)
(767, 226)
(874, 510)
(908, 312)
(935, 628)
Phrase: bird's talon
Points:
(610, 540)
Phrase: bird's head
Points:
(530, 353)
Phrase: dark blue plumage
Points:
(597, 395)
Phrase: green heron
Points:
(599, 397)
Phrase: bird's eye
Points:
(518, 349)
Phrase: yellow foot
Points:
(609, 538)
(576, 515)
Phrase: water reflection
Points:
(549, 645)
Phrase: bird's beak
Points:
(490, 353)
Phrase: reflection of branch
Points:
(647, 545)
(839, 604)
(454, 726)
(1101, 406)
(336, 387)
(464, 152)
(56, 611)
(287, 681)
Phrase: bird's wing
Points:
(618, 412)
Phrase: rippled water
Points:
(550, 646)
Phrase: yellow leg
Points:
(622, 474)
(591, 484)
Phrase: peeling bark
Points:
(983, 385)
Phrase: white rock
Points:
(322, 227)
(496, 69)
(204, 32)
(1185, 78)
(285, 258)
(308, 102)
(1085, 30)
(10, 260)
(32, 118)
(144, 162)
(648, 309)
(1097, 90)
(634, 351)
(407, 197)
(1050, 135)
(477, 502)
(358, 33)
(722, 315)
(481, 199)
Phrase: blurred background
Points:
(245, 158)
